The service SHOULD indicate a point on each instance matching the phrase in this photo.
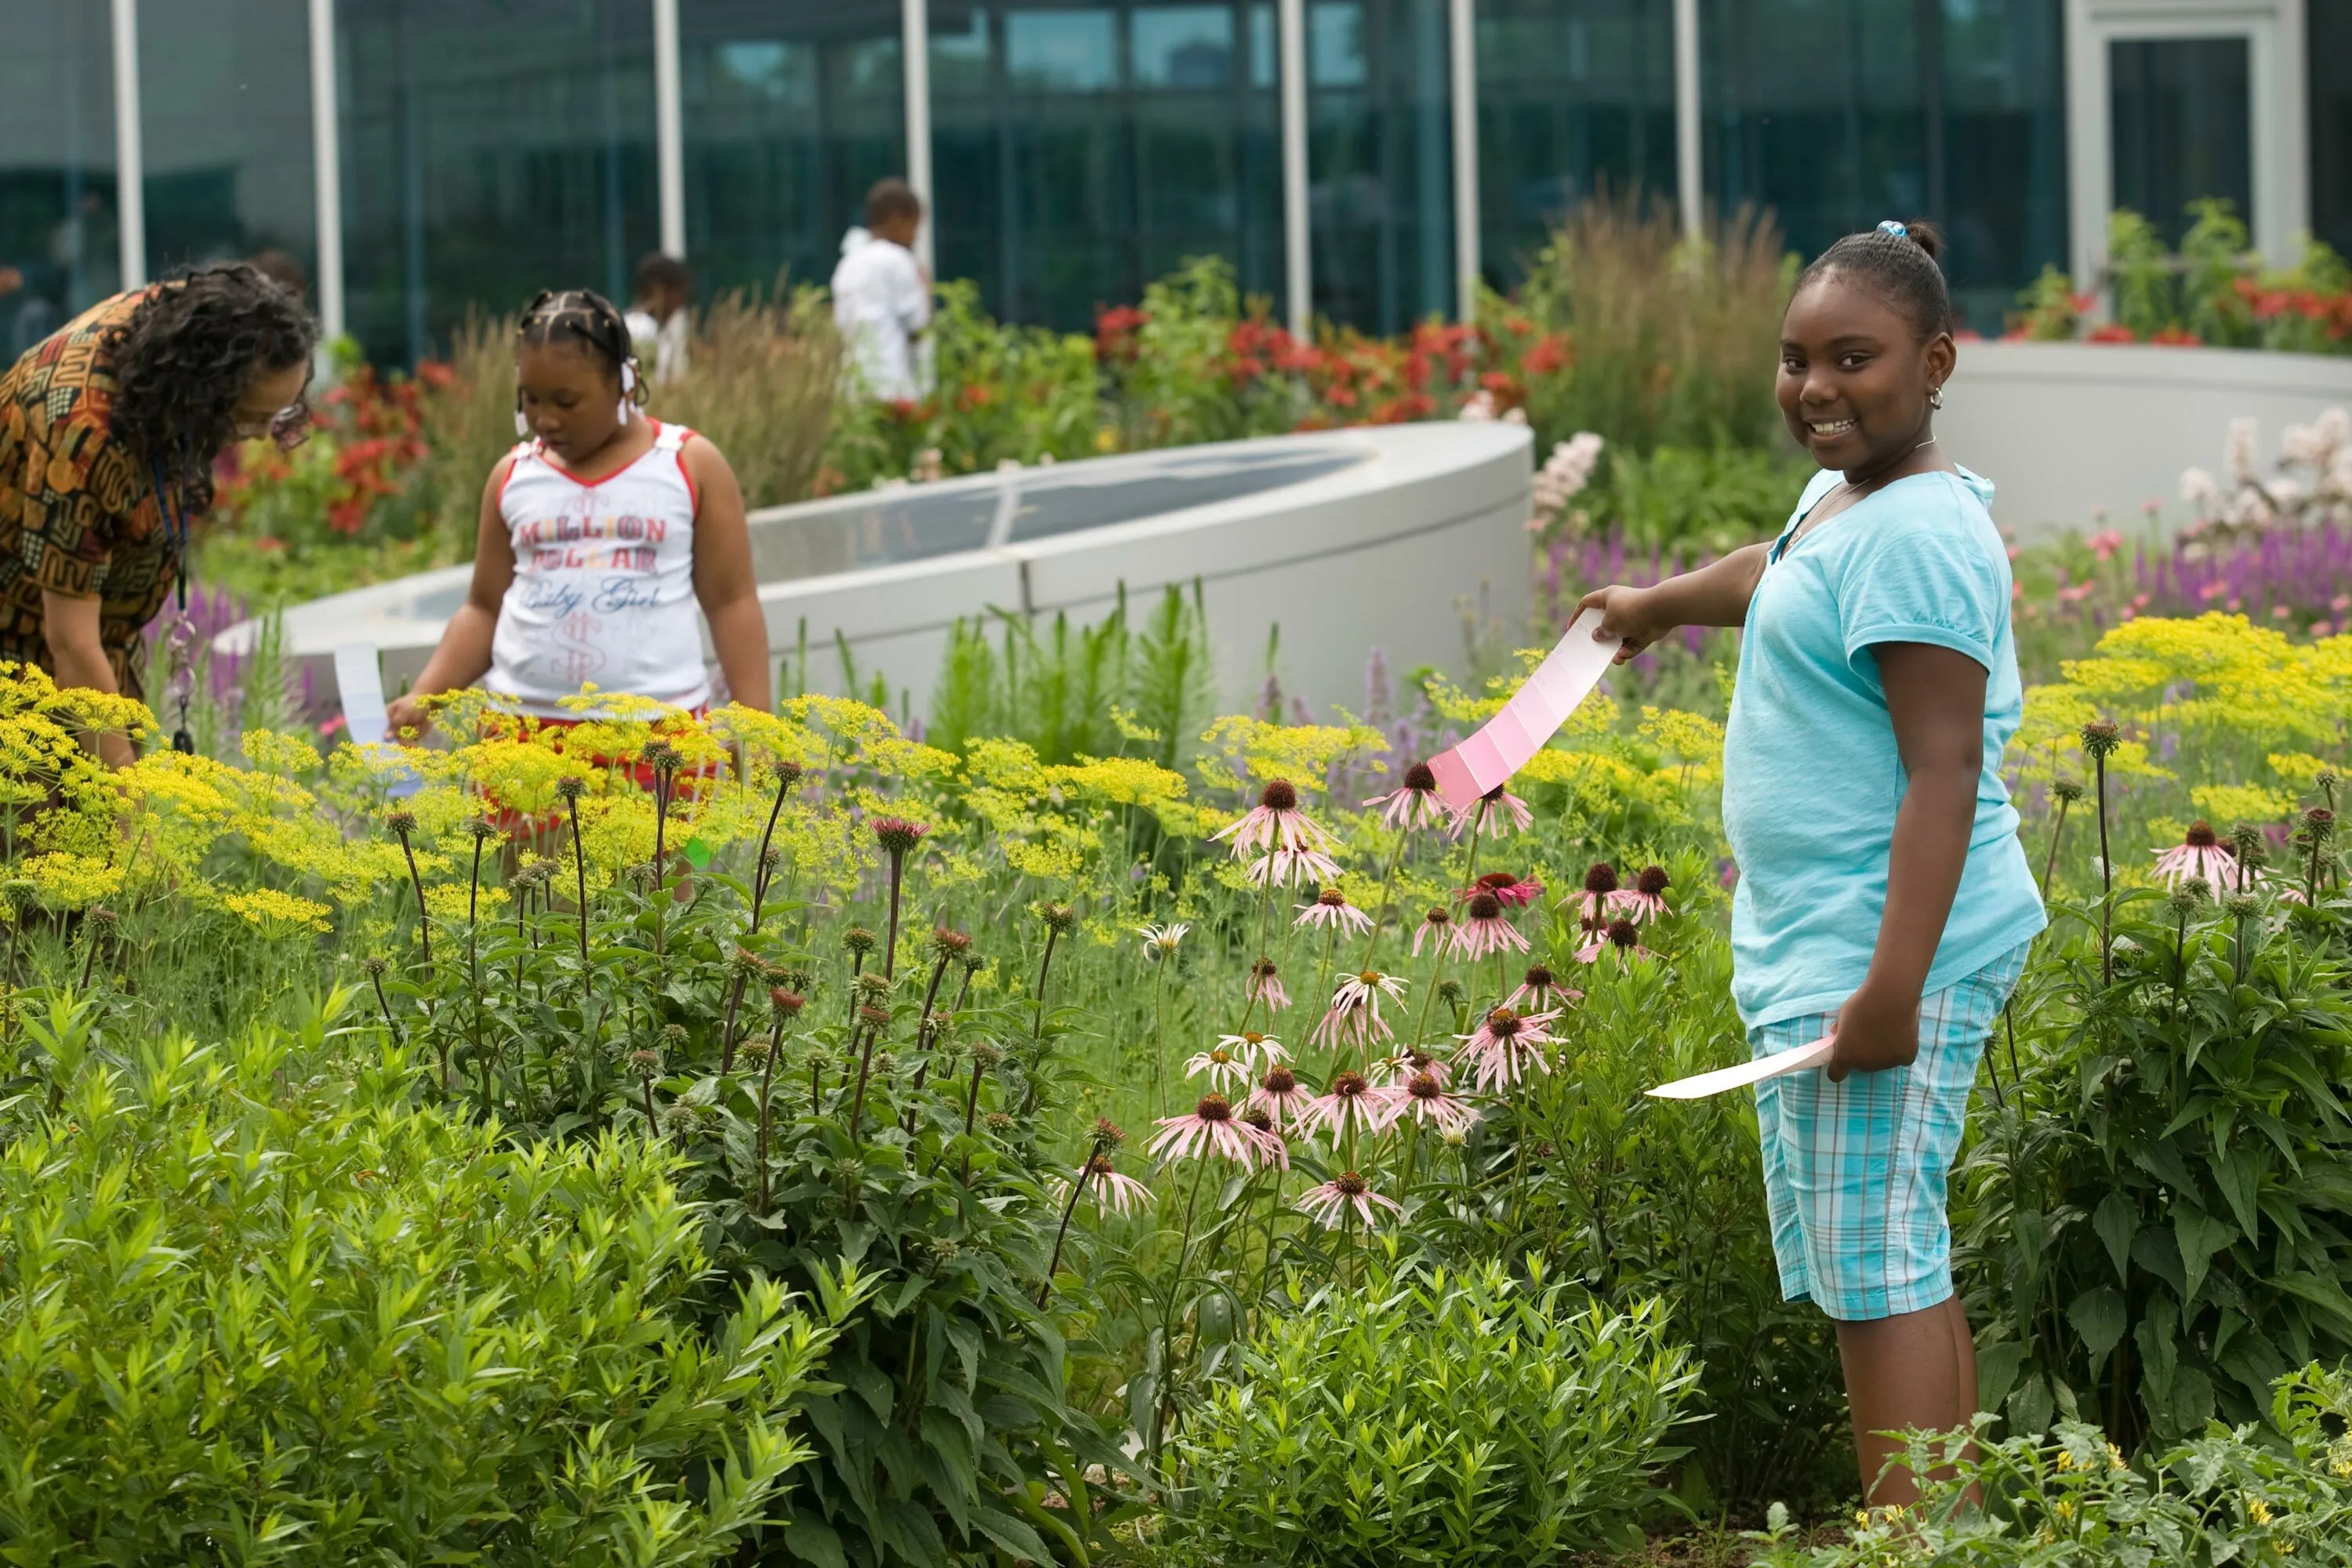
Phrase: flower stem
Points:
(1388, 888)
(759, 878)
(767, 1076)
(2057, 832)
(580, 865)
(890, 951)
(2106, 881)
(423, 920)
(1086, 1169)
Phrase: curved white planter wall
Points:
(2063, 428)
(1347, 540)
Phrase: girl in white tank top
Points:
(602, 535)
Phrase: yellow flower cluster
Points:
(278, 913)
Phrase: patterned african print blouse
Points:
(77, 513)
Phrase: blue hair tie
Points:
(1888, 226)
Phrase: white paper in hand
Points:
(360, 680)
(1701, 1085)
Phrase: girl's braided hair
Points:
(581, 316)
(185, 356)
(1897, 261)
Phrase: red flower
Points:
(1549, 353)
(2179, 337)
(1115, 333)
(2112, 332)
(977, 395)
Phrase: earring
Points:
(522, 426)
(1935, 397)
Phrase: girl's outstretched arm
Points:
(1936, 697)
(464, 656)
(722, 578)
(1716, 594)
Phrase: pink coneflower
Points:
(1504, 812)
(1351, 1104)
(1437, 926)
(1422, 1099)
(1212, 1129)
(1600, 885)
(1506, 1045)
(1355, 1012)
(1411, 1060)
(1281, 1096)
(1507, 886)
(1274, 823)
(1331, 908)
(896, 835)
(1540, 988)
(1253, 1049)
(1621, 936)
(1645, 900)
(1483, 930)
(2201, 853)
(1416, 805)
(1223, 1070)
(1265, 986)
(1109, 1192)
(1284, 868)
(1347, 1191)
(1278, 1151)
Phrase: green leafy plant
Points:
(1428, 1417)
(257, 1305)
(2070, 1499)
(2154, 1216)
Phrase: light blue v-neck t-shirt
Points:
(1811, 776)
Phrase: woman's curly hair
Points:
(184, 357)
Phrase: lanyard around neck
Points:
(175, 527)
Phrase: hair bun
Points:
(1926, 237)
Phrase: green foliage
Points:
(1673, 341)
(1108, 690)
(2215, 288)
(1712, 498)
(2069, 1500)
(257, 1305)
(1176, 384)
(811, 1137)
(2155, 1216)
(1428, 1417)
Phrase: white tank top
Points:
(604, 581)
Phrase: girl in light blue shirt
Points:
(1884, 899)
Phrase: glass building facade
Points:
(60, 246)
(478, 151)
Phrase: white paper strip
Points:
(360, 680)
(1701, 1085)
(1506, 743)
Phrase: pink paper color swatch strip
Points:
(1507, 741)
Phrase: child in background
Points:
(601, 533)
(1884, 899)
(881, 297)
(660, 318)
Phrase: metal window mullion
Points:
(1689, 164)
(1465, 61)
(130, 165)
(915, 44)
(1298, 253)
(669, 130)
(327, 166)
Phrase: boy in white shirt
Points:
(659, 320)
(881, 296)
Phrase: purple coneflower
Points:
(1437, 926)
(1253, 1049)
(1539, 988)
(1645, 900)
(1414, 805)
(1284, 868)
(1507, 886)
(1331, 1202)
(2201, 853)
(1212, 1129)
(1601, 885)
(1355, 1012)
(1223, 1070)
(1504, 813)
(1265, 986)
(1619, 935)
(1506, 1045)
(1111, 1192)
(1411, 1060)
(1422, 1099)
(1281, 1096)
(1331, 908)
(1161, 942)
(1483, 930)
(1351, 1104)
(1258, 1118)
(1275, 823)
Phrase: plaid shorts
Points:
(1855, 1172)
